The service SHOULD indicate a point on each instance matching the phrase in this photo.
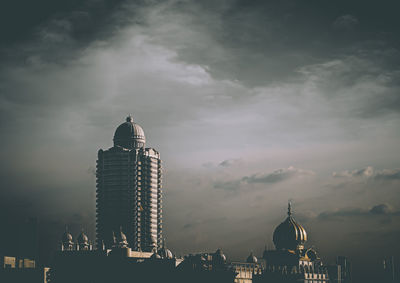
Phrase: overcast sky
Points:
(250, 103)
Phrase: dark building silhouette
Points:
(78, 261)
(341, 271)
(345, 269)
(205, 267)
(120, 264)
(390, 270)
(129, 191)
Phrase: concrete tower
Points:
(128, 191)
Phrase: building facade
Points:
(128, 194)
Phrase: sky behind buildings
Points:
(250, 103)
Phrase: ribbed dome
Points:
(289, 234)
(129, 135)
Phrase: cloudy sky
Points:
(250, 103)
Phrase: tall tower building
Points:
(128, 195)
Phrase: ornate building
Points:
(128, 191)
(291, 261)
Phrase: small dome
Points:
(129, 135)
(251, 258)
(82, 238)
(289, 234)
(67, 237)
(165, 253)
(219, 257)
(121, 239)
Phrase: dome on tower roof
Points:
(129, 135)
(289, 234)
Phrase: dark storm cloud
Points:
(266, 41)
(18, 19)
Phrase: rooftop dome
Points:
(289, 235)
(121, 239)
(165, 253)
(219, 257)
(67, 237)
(129, 135)
(82, 238)
(251, 258)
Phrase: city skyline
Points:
(250, 104)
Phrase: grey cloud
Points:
(388, 174)
(365, 172)
(209, 221)
(370, 173)
(341, 213)
(262, 42)
(277, 176)
(379, 209)
(229, 162)
(88, 17)
(364, 84)
(188, 225)
(345, 22)
(228, 185)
